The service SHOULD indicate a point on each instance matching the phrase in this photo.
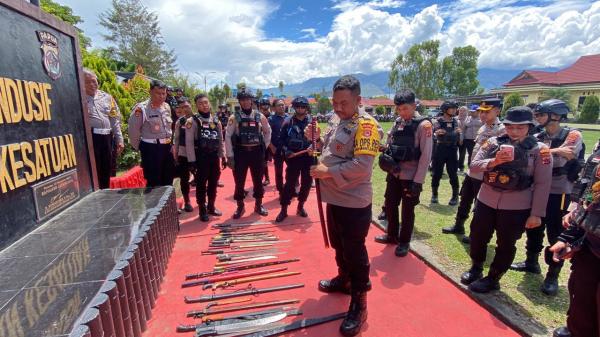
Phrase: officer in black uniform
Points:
(276, 147)
(298, 158)
(446, 130)
(171, 100)
(264, 106)
(566, 147)
(223, 116)
(246, 136)
(581, 241)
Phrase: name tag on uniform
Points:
(448, 125)
(153, 116)
(204, 124)
(252, 124)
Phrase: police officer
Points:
(581, 241)
(223, 116)
(517, 172)
(105, 121)
(462, 115)
(470, 126)
(276, 147)
(182, 166)
(350, 145)
(295, 147)
(172, 101)
(406, 159)
(205, 132)
(488, 113)
(446, 130)
(150, 131)
(264, 106)
(246, 136)
(566, 146)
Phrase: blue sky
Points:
(262, 42)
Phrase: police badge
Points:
(50, 57)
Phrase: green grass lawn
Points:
(519, 290)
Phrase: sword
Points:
(237, 293)
(240, 326)
(305, 323)
(220, 320)
(205, 314)
(234, 257)
(222, 251)
(234, 282)
(259, 258)
(230, 276)
(318, 185)
(220, 271)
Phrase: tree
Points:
(459, 72)
(419, 69)
(216, 95)
(590, 110)
(240, 85)
(380, 110)
(323, 104)
(65, 13)
(227, 91)
(281, 87)
(259, 93)
(182, 81)
(512, 100)
(558, 93)
(134, 33)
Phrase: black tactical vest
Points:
(296, 140)
(588, 215)
(224, 120)
(182, 129)
(451, 137)
(572, 167)
(511, 176)
(403, 147)
(248, 130)
(208, 136)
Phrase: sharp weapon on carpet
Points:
(240, 326)
(318, 184)
(234, 257)
(250, 259)
(249, 245)
(205, 313)
(234, 282)
(301, 324)
(244, 224)
(230, 276)
(227, 243)
(237, 293)
(222, 251)
(222, 320)
(227, 302)
(238, 268)
(251, 330)
(262, 232)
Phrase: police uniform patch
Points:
(428, 128)
(485, 145)
(366, 140)
(212, 125)
(573, 137)
(138, 111)
(188, 124)
(545, 155)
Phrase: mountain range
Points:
(376, 84)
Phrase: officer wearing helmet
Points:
(566, 147)
(246, 136)
(275, 148)
(517, 174)
(446, 130)
(295, 147)
(223, 116)
(264, 106)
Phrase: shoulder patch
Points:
(545, 155)
(367, 138)
(137, 111)
(428, 127)
(573, 137)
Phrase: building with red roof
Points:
(581, 79)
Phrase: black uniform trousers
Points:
(552, 223)
(278, 160)
(297, 167)
(445, 155)
(397, 191)
(268, 158)
(208, 172)
(466, 148)
(348, 228)
(248, 158)
(468, 193)
(157, 163)
(583, 317)
(182, 171)
(509, 226)
(103, 154)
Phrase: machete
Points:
(220, 271)
(237, 293)
(305, 323)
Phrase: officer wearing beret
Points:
(566, 147)
(488, 113)
(150, 132)
(446, 130)
(264, 106)
(406, 160)
(182, 166)
(581, 242)
(517, 173)
(207, 154)
(351, 142)
(246, 136)
(105, 121)
(295, 147)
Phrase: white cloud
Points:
(311, 33)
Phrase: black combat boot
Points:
(457, 228)
(473, 274)
(563, 331)
(203, 213)
(300, 210)
(454, 200)
(386, 239)
(434, 195)
(487, 284)
(530, 265)
(338, 284)
(259, 209)
(239, 210)
(550, 284)
(466, 240)
(357, 314)
(211, 208)
(382, 215)
(402, 249)
(282, 214)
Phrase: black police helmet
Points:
(264, 101)
(554, 106)
(244, 93)
(300, 101)
(519, 115)
(448, 105)
(222, 105)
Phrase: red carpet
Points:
(408, 298)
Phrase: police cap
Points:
(555, 106)
(490, 103)
(519, 115)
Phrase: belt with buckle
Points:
(98, 131)
(157, 140)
